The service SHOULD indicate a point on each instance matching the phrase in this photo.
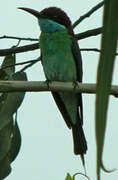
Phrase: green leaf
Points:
(10, 138)
(3, 97)
(68, 177)
(104, 76)
(5, 139)
(12, 101)
(5, 143)
(9, 60)
(15, 143)
(5, 74)
(5, 168)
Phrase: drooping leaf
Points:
(5, 139)
(104, 76)
(5, 74)
(15, 142)
(5, 144)
(3, 97)
(5, 167)
(10, 139)
(12, 101)
(9, 60)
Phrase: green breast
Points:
(57, 58)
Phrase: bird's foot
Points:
(48, 83)
(75, 84)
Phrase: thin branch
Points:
(31, 64)
(38, 86)
(18, 38)
(21, 49)
(88, 14)
(21, 63)
(17, 44)
(93, 50)
(89, 33)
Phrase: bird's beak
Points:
(31, 11)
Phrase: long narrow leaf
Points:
(104, 76)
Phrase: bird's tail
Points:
(80, 144)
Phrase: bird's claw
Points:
(48, 83)
(75, 84)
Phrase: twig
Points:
(17, 44)
(18, 38)
(5, 52)
(36, 86)
(21, 63)
(89, 33)
(31, 64)
(86, 15)
(93, 49)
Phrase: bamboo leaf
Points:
(104, 76)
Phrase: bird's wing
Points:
(78, 61)
(62, 108)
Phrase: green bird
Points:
(61, 60)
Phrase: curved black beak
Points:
(31, 11)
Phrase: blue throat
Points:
(47, 25)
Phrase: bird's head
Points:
(53, 18)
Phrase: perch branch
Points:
(36, 86)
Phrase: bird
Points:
(61, 60)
